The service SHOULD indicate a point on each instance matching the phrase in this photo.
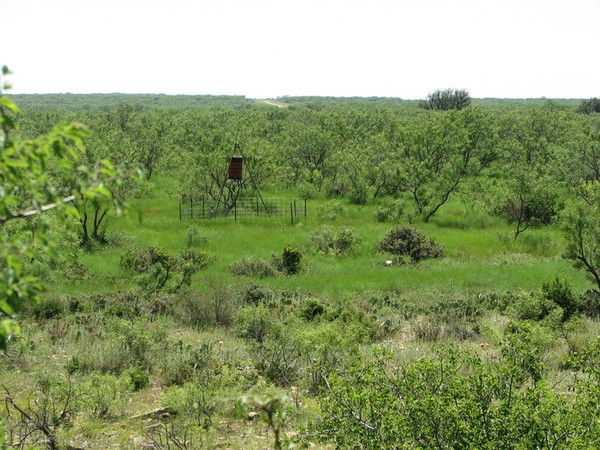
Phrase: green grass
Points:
(481, 254)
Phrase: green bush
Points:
(183, 362)
(214, 308)
(290, 260)
(390, 211)
(559, 292)
(405, 240)
(102, 395)
(311, 309)
(458, 400)
(331, 210)
(255, 323)
(253, 267)
(255, 294)
(158, 270)
(138, 379)
(48, 308)
(329, 240)
(590, 303)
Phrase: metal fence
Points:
(244, 207)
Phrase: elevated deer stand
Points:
(234, 183)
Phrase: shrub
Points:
(327, 240)
(156, 268)
(253, 267)
(390, 211)
(217, 307)
(590, 303)
(255, 323)
(331, 210)
(589, 106)
(405, 240)
(558, 291)
(311, 309)
(194, 402)
(138, 379)
(255, 294)
(182, 362)
(48, 308)
(102, 395)
(446, 99)
(290, 260)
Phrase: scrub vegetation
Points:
(443, 290)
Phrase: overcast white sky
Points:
(271, 48)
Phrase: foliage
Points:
(582, 232)
(439, 154)
(390, 211)
(36, 176)
(456, 400)
(291, 259)
(560, 292)
(404, 240)
(589, 106)
(332, 210)
(157, 268)
(446, 99)
(336, 241)
(253, 267)
(255, 323)
(273, 411)
(528, 203)
(49, 407)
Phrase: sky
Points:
(274, 48)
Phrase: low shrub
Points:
(390, 211)
(102, 395)
(559, 292)
(405, 240)
(331, 210)
(331, 241)
(138, 379)
(217, 307)
(253, 267)
(311, 309)
(290, 260)
(158, 270)
(255, 323)
(183, 362)
(255, 294)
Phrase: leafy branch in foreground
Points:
(37, 176)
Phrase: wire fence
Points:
(243, 207)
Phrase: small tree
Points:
(582, 232)
(527, 203)
(446, 99)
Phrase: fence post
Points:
(180, 211)
(257, 206)
(295, 209)
(305, 207)
(292, 213)
(191, 209)
(235, 210)
(203, 210)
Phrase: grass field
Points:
(480, 252)
(97, 331)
